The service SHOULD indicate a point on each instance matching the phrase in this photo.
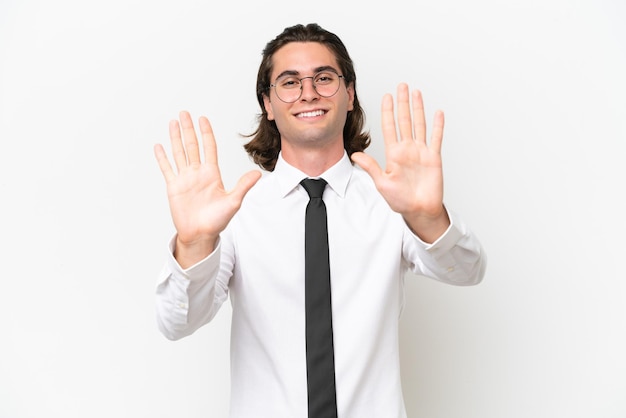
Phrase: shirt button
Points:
(450, 269)
(182, 305)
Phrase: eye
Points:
(288, 82)
(325, 78)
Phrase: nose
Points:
(308, 90)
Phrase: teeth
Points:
(311, 114)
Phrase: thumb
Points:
(367, 163)
(245, 183)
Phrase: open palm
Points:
(200, 206)
(412, 181)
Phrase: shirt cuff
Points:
(448, 239)
(202, 269)
(458, 254)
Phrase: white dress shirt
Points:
(259, 263)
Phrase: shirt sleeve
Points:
(456, 257)
(187, 299)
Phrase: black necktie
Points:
(320, 358)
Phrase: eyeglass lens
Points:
(289, 88)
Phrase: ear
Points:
(350, 90)
(268, 107)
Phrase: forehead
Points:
(302, 58)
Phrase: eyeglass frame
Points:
(312, 77)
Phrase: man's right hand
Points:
(199, 205)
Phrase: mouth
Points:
(312, 114)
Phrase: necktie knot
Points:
(314, 187)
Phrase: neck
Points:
(312, 161)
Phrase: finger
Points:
(208, 141)
(369, 164)
(178, 151)
(419, 119)
(164, 163)
(388, 121)
(436, 137)
(191, 141)
(404, 113)
(245, 183)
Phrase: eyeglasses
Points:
(289, 87)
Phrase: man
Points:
(249, 243)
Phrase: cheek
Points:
(279, 120)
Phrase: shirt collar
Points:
(337, 176)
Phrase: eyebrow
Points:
(315, 71)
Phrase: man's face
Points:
(312, 120)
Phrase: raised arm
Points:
(200, 206)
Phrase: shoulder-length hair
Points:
(264, 146)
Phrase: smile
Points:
(310, 114)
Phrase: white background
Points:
(535, 100)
